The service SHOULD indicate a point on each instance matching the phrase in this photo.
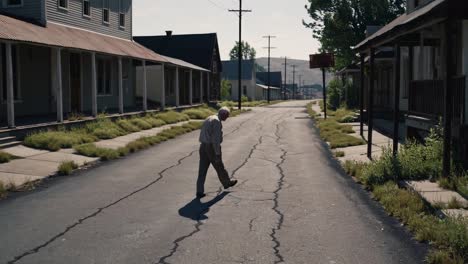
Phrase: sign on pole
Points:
(323, 61)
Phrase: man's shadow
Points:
(196, 210)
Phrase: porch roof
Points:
(57, 35)
(403, 20)
(184, 64)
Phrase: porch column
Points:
(145, 87)
(449, 70)
(370, 111)
(163, 87)
(9, 82)
(201, 87)
(177, 87)
(208, 92)
(396, 116)
(363, 76)
(121, 100)
(191, 88)
(59, 91)
(93, 85)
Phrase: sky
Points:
(281, 18)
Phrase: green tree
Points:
(226, 88)
(341, 24)
(248, 52)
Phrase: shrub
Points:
(91, 150)
(55, 140)
(381, 171)
(141, 123)
(199, 113)
(335, 91)
(104, 128)
(172, 117)
(5, 157)
(67, 167)
(128, 126)
(154, 122)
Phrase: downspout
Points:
(43, 20)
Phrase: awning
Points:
(57, 35)
(184, 64)
(265, 87)
(399, 22)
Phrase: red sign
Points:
(324, 60)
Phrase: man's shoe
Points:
(200, 195)
(231, 184)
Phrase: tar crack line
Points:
(99, 211)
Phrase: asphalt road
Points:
(293, 204)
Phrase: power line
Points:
(269, 37)
(239, 54)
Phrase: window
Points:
(104, 76)
(86, 8)
(3, 74)
(63, 4)
(121, 14)
(105, 11)
(14, 3)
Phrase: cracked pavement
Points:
(293, 204)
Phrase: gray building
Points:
(60, 57)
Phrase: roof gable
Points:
(197, 49)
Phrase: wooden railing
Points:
(426, 98)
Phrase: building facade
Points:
(65, 57)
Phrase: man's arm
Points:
(217, 137)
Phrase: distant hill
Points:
(310, 77)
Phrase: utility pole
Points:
(239, 53)
(269, 60)
(300, 84)
(285, 76)
(294, 81)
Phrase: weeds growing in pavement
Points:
(339, 154)
(127, 125)
(104, 128)
(67, 167)
(458, 184)
(172, 117)
(56, 140)
(91, 150)
(5, 157)
(141, 123)
(199, 113)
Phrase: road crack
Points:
(275, 208)
(99, 211)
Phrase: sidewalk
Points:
(429, 191)
(35, 165)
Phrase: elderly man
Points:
(211, 137)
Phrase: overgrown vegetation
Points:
(5, 157)
(91, 150)
(415, 162)
(56, 140)
(199, 113)
(332, 131)
(67, 167)
(458, 184)
(339, 154)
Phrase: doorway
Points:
(75, 82)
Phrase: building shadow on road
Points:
(197, 210)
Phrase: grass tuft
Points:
(339, 154)
(199, 113)
(56, 140)
(91, 150)
(128, 126)
(172, 117)
(5, 157)
(67, 167)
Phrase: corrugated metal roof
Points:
(400, 21)
(73, 38)
(184, 64)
